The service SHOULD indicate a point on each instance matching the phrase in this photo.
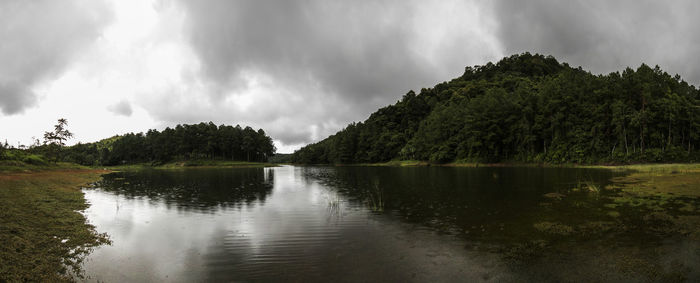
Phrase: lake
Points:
(386, 224)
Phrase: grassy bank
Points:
(15, 166)
(659, 168)
(669, 168)
(44, 237)
(648, 168)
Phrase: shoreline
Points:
(191, 165)
(44, 235)
(416, 163)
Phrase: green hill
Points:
(528, 108)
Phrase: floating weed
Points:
(587, 186)
(687, 207)
(595, 227)
(524, 252)
(611, 205)
(556, 196)
(553, 228)
(614, 214)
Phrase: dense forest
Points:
(184, 142)
(528, 108)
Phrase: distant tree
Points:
(57, 139)
(35, 143)
(3, 147)
(59, 135)
(248, 142)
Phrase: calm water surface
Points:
(348, 224)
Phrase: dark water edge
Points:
(394, 224)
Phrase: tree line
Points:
(528, 108)
(183, 142)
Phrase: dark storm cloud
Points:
(360, 49)
(15, 96)
(606, 36)
(38, 39)
(353, 56)
(121, 108)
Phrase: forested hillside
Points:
(184, 142)
(528, 108)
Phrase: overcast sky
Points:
(301, 70)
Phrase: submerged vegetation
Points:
(628, 222)
(646, 215)
(44, 236)
(528, 108)
(669, 193)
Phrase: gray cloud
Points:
(121, 108)
(338, 61)
(38, 39)
(348, 48)
(606, 36)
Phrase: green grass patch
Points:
(17, 166)
(44, 237)
(670, 168)
(663, 169)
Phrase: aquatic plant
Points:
(376, 197)
(334, 205)
(553, 228)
